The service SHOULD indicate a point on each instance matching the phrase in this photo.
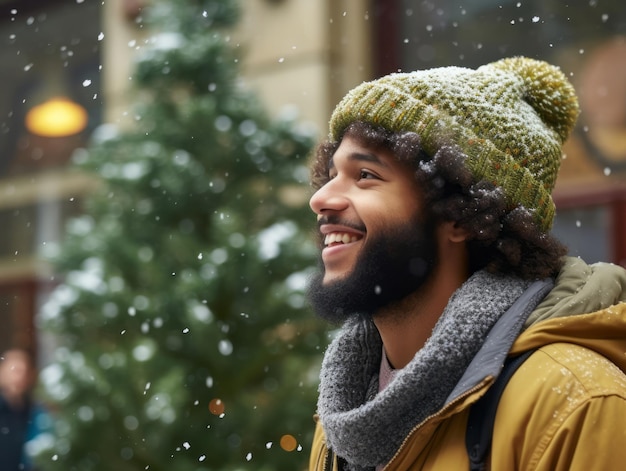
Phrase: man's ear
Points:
(453, 232)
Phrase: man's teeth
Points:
(338, 237)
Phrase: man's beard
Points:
(391, 265)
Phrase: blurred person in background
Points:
(17, 378)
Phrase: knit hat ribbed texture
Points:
(510, 118)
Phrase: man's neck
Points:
(406, 326)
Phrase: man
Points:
(433, 198)
(16, 381)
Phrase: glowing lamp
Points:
(56, 117)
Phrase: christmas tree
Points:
(184, 338)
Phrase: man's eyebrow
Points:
(361, 157)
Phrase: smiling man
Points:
(367, 247)
(434, 209)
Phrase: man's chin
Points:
(326, 296)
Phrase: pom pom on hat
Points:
(510, 118)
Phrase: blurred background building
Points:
(66, 68)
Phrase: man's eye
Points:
(367, 175)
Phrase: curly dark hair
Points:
(502, 238)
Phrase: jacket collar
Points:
(490, 358)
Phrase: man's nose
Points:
(330, 197)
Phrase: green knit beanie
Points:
(510, 118)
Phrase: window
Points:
(586, 231)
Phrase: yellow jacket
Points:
(564, 409)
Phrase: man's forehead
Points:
(358, 153)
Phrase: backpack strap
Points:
(482, 415)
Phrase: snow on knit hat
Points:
(510, 118)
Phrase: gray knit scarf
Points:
(366, 428)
